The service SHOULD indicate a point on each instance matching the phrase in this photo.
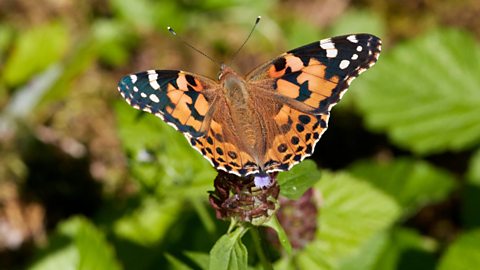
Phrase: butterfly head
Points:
(224, 71)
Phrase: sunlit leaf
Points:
(463, 254)
(176, 263)
(412, 183)
(424, 93)
(392, 249)
(35, 50)
(201, 259)
(229, 252)
(149, 223)
(301, 177)
(352, 213)
(88, 249)
(473, 174)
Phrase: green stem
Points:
(267, 265)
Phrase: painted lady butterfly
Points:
(267, 121)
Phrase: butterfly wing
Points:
(306, 83)
(191, 104)
(181, 99)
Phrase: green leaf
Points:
(301, 177)
(64, 258)
(94, 251)
(87, 249)
(412, 183)
(201, 259)
(352, 213)
(463, 253)
(473, 174)
(229, 253)
(148, 224)
(424, 93)
(392, 249)
(34, 51)
(176, 263)
(282, 236)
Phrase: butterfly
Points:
(267, 121)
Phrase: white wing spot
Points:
(143, 95)
(154, 98)
(332, 53)
(344, 64)
(354, 56)
(133, 78)
(352, 38)
(326, 44)
(155, 85)
(135, 89)
(359, 48)
(152, 77)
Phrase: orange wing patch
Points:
(223, 153)
(297, 136)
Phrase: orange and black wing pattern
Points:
(181, 99)
(307, 82)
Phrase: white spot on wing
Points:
(135, 89)
(359, 48)
(143, 95)
(331, 53)
(327, 45)
(344, 64)
(352, 38)
(154, 85)
(133, 78)
(154, 98)
(354, 56)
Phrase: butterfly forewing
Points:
(181, 99)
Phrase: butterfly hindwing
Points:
(180, 98)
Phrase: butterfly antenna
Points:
(248, 37)
(170, 29)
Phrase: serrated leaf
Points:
(463, 253)
(301, 177)
(424, 93)
(412, 183)
(352, 213)
(229, 253)
(35, 50)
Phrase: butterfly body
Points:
(268, 120)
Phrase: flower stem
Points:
(267, 265)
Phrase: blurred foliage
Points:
(87, 182)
